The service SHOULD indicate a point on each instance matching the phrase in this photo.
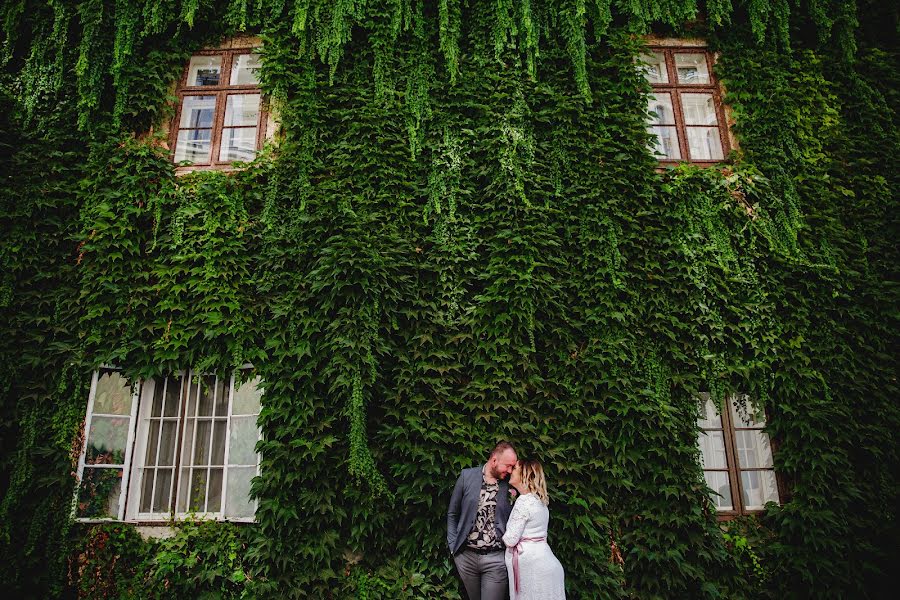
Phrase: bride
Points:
(534, 572)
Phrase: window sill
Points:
(729, 516)
(179, 171)
(163, 522)
(152, 529)
(671, 164)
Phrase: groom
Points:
(476, 522)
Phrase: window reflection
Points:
(691, 68)
(665, 144)
(204, 70)
(245, 69)
(654, 67)
(704, 143)
(238, 144)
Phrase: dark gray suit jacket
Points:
(464, 507)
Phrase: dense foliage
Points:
(460, 236)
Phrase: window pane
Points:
(198, 111)
(238, 144)
(197, 491)
(247, 398)
(163, 494)
(184, 485)
(660, 108)
(167, 443)
(99, 493)
(201, 444)
(159, 384)
(699, 109)
(746, 413)
(207, 392)
(709, 416)
(666, 144)
(654, 67)
(704, 143)
(241, 109)
(245, 69)
(237, 497)
(192, 389)
(221, 400)
(214, 500)
(193, 145)
(107, 439)
(113, 394)
(152, 443)
(753, 448)
(759, 488)
(718, 482)
(188, 440)
(244, 435)
(147, 490)
(173, 396)
(218, 442)
(204, 70)
(691, 67)
(712, 448)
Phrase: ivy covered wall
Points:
(460, 236)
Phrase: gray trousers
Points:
(483, 575)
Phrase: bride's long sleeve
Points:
(516, 524)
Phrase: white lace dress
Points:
(540, 573)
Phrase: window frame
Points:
(221, 93)
(129, 445)
(136, 444)
(674, 89)
(732, 466)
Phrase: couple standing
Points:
(499, 548)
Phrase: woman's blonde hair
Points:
(533, 480)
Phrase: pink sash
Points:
(515, 559)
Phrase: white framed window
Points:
(186, 449)
(105, 461)
(736, 455)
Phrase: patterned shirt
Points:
(484, 532)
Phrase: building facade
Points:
(274, 274)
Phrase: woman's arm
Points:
(516, 524)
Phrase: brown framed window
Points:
(685, 107)
(221, 115)
(736, 456)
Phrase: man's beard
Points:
(496, 474)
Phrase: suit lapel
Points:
(475, 486)
(502, 506)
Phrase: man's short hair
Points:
(501, 447)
